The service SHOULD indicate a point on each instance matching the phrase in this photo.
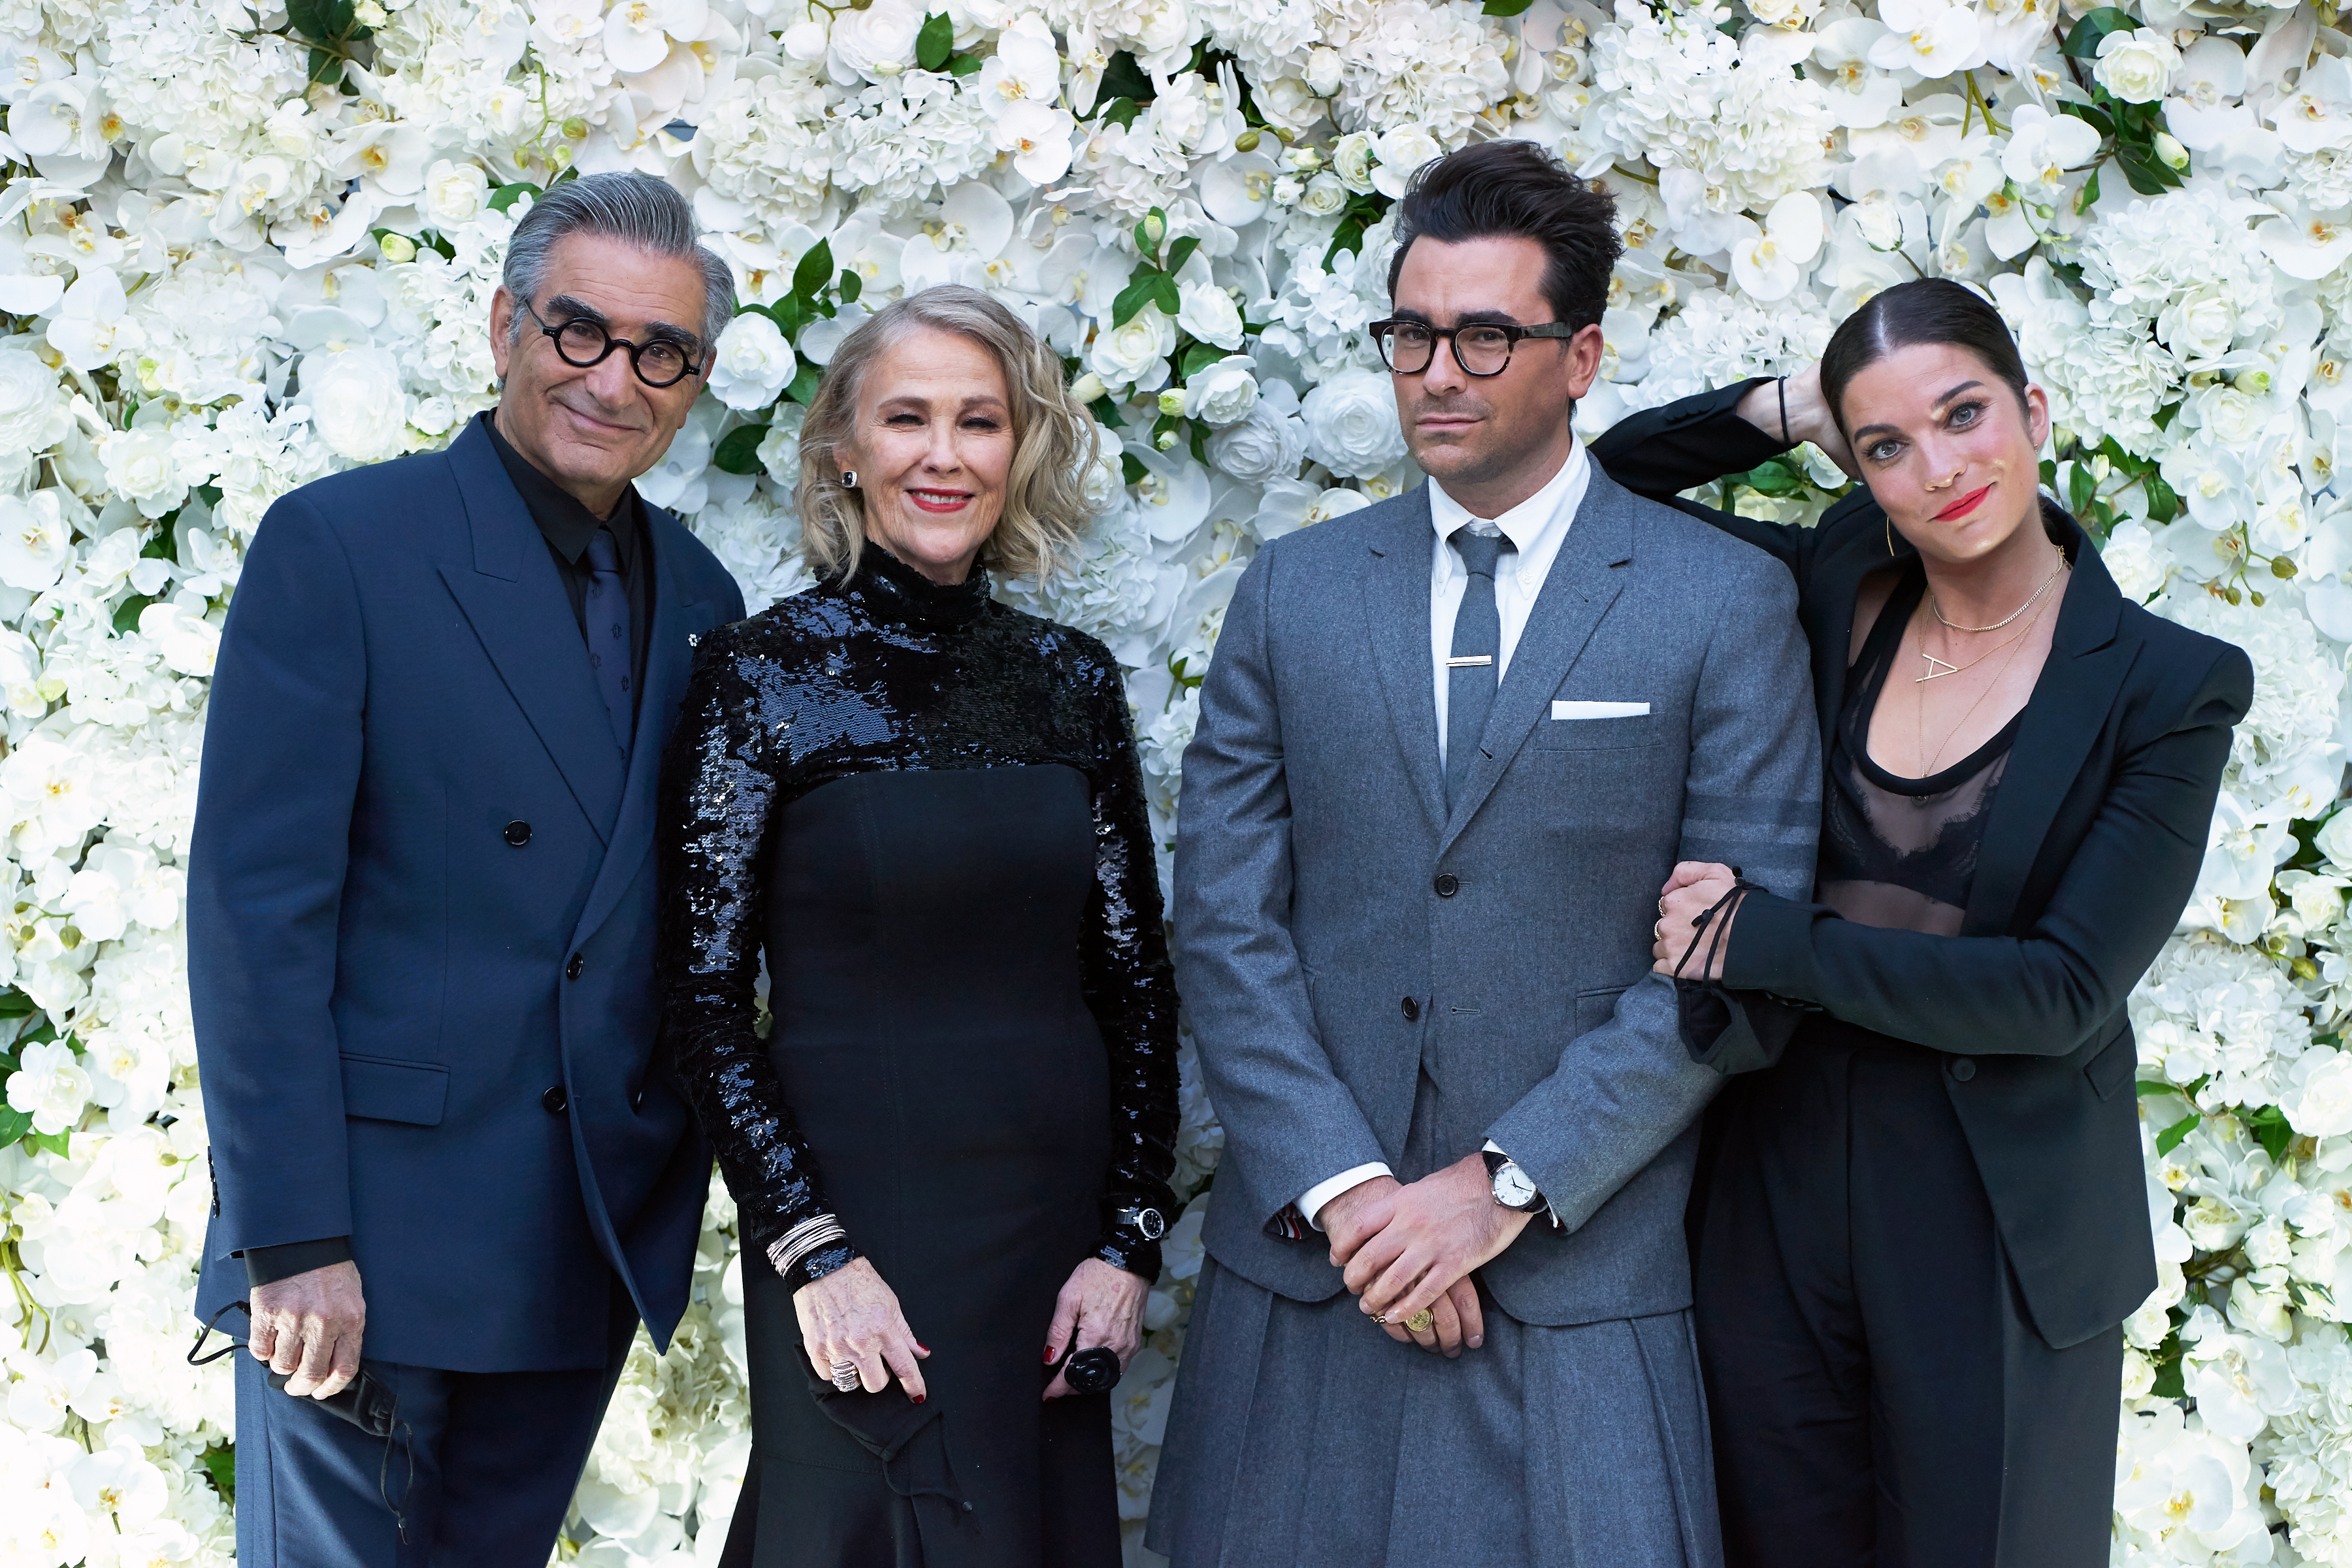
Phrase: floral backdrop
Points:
(246, 242)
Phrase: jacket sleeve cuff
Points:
(268, 1265)
(1772, 946)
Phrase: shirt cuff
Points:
(268, 1265)
(1311, 1202)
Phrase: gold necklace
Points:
(1937, 669)
(1919, 714)
(1952, 626)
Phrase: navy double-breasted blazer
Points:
(421, 912)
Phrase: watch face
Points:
(1513, 1189)
(1150, 1224)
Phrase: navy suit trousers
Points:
(497, 1458)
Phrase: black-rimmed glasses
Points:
(1482, 348)
(582, 343)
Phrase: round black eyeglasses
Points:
(582, 343)
(1481, 349)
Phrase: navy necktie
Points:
(1471, 670)
(608, 626)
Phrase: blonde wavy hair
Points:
(1054, 436)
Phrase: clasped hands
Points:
(1695, 887)
(852, 1316)
(1406, 1248)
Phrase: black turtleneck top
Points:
(892, 671)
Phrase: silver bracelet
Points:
(803, 1239)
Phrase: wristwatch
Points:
(1514, 1188)
(1149, 1223)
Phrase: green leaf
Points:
(126, 615)
(2083, 39)
(1145, 246)
(2167, 1357)
(220, 1468)
(815, 271)
(2080, 488)
(308, 18)
(1507, 8)
(2272, 1132)
(2170, 1139)
(790, 313)
(164, 546)
(1163, 289)
(1119, 112)
(1131, 469)
(1198, 358)
(505, 196)
(1107, 413)
(849, 285)
(2098, 119)
(14, 1125)
(53, 1142)
(326, 68)
(2163, 502)
(1124, 78)
(2147, 1088)
(738, 451)
(2086, 198)
(1134, 297)
(936, 42)
(963, 65)
(806, 380)
(1180, 253)
(2145, 175)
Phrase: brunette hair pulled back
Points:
(1926, 310)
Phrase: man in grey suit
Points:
(1449, 751)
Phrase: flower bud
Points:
(1155, 228)
(397, 249)
(1165, 440)
(2252, 383)
(1087, 388)
(1171, 402)
(2281, 566)
(1246, 141)
(2169, 152)
(576, 129)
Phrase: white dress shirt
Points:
(1536, 528)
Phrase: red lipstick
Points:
(1965, 505)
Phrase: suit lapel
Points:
(669, 658)
(1396, 608)
(1576, 593)
(515, 602)
(2063, 718)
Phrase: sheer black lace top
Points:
(1899, 852)
(893, 671)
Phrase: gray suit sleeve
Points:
(1751, 799)
(1290, 1122)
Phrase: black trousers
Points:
(1879, 1396)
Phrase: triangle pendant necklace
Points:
(1935, 667)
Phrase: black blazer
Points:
(2089, 855)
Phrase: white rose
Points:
(1352, 160)
(779, 448)
(1289, 103)
(1137, 353)
(1323, 67)
(1402, 150)
(1222, 392)
(2233, 417)
(140, 465)
(1351, 424)
(2138, 66)
(1103, 484)
(753, 362)
(36, 542)
(1878, 223)
(1208, 312)
(50, 1086)
(1324, 197)
(356, 403)
(1266, 445)
(805, 41)
(455, 193)
(875, 42)
(2201, 326)
(34, 411)
(2319, 1104)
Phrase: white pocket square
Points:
(1600, 710)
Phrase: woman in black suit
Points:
(1923, 1220)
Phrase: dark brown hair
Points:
(1925, 311)
(1516, 189)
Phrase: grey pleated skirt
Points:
(1302, 1436)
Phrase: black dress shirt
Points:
(567, 526)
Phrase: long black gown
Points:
(925, 807)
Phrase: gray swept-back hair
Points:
(638, 209)
(1053, 436)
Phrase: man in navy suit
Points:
(421, 922)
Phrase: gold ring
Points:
(1380, 1319)
(1421, 1321)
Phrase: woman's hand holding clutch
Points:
(851, 1317)
(1101, 1304)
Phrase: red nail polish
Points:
(918, 1399)
(1049, 1355)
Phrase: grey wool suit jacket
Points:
(1340, 930)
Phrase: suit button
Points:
(556, 1101)
(518, 833)
(1963, 1069)
(571, 970)
(1411, 1011)
(1448, 884)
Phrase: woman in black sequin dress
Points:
(952, 1150)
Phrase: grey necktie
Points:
(1471, 669)
(607, 626)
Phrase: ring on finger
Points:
(1421, 1323)
(845, 1375)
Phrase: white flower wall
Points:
(246, 242)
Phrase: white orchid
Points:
(1769, 260)
(1927, 38)
(2044, 147)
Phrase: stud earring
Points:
(849, 479)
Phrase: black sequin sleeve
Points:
(1128, 984)
(719, 791)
